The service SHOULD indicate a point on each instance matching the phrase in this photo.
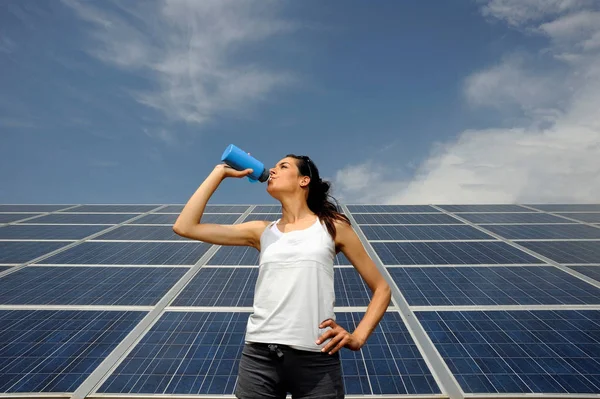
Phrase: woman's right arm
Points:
(189, 224)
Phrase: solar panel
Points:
(590, 271)
(350, 288)
(453, 253)
(130, 253)
(114, 208)
(484, 208)
(183, 353)
(197, 353)
(221, 209)
(235, 255)
(398, 218)
(31, 208)
(567, 207)
(544, 231)
(267, 209)
(219, 287)
(13, 217)
(262, 216)
(55, 350)
(440, 265)
(517, 285)
(442, 232)
(521, 218)
(24, 251)
(519, 351)
(566, 251)
(126, 232)
(47, 232)
(85, 218)
(391, 208)
(170, 218)
(46, 285)
(390, 360)
(589, 217)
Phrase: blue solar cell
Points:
(485, 208)
(114, 208)
(399, 218)
(519, 351)
(590, 217)
(219, 287)
(391, 208)
(170, 218)
(55, 351)
(512, 218)
(350, 288)
(209, 209)
(453, 253)
(184, 353)
(32, 208)
(267, 209)
(127, 232)
(46, 232)
(235, 255)
(567, 207)
(46, 285)
(198, 353)
(566, 251)
(341, 260)
(85, 218)
(262, 216)
(225, 209)
(131, 253)
(544, 231)
(590, 271)
(4, 268)
(443, 232)
(24, 251)
(13, 217)
(389, 363)
(515, 285)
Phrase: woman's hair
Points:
(319, 201)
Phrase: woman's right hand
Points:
(227, 171)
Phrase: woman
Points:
(292, 339)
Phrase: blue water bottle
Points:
(240, 160)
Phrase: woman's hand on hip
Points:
(340, 338)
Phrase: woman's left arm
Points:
(350, 245)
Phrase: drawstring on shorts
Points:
(275, 349)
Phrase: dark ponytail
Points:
(319, 200)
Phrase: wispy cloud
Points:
(554, 157)
(187, 50)
(7, 45)
(103, 163)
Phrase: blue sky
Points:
(396, 101)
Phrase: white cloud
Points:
(511, 82)
(555, 161)
(187, 49)
(520, 12)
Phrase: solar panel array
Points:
(105, 300)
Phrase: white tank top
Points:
(294, 291)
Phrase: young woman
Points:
(292, 339)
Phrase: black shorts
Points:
(271, 371)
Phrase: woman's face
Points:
(285, 177)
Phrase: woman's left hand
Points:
(339, 338)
